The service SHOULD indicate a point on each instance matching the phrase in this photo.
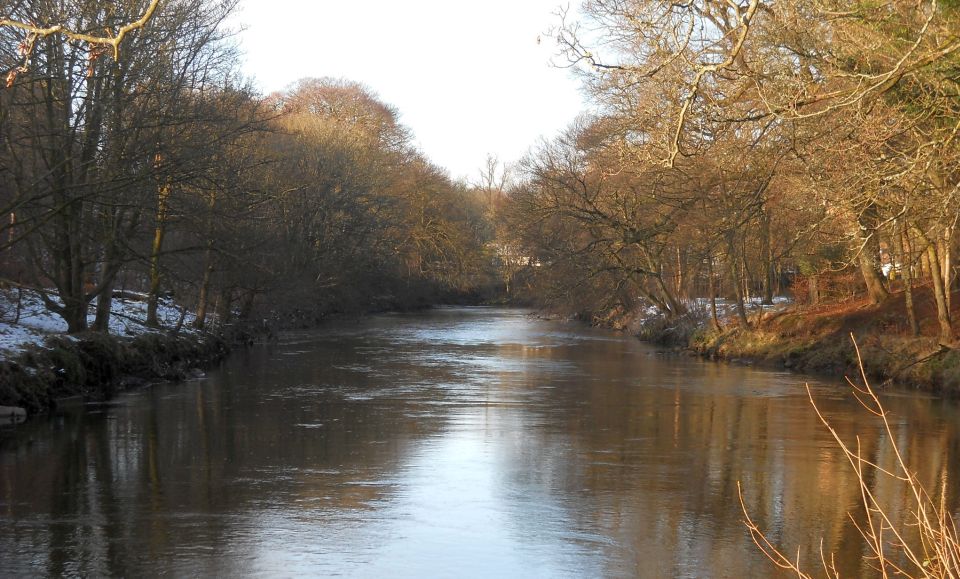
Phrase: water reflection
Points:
(463, 442)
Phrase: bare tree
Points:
(33, 31)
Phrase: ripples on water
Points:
(459, 442)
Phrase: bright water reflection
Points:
(457, 443)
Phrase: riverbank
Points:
(98, 366)
(817, 340)
(40, 363)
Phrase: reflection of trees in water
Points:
(628, 458)
(654, 469)
(171, 478)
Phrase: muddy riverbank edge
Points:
(818, 342)
(98, 366)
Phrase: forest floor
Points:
(40, 363)
(817, 339)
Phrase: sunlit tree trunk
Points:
(663, 295)
(681, 273)
(937, 279)
(906, 267)
(766, 255)
(673, 303)
(746, 277)
(208, 267)
(732, 263)
(943, 309)
(712, 288)
(813, 289)
(946, 254)
(870, 255)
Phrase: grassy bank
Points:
(919, 363)
(97, 366)
(816, 340)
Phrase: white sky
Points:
(468, 77)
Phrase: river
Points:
(460, 442)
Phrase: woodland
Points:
(754, 148)
(734, 151)
(159, 171)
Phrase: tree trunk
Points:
(869, 257)
(246, 307)
(876, 291)
(712, 288)
(766, 254)
(943, 313)
(224, 301)
(946, 254)
(75, 314)
(732, 263)
(813, 289)
(111, 265)
(104, 309)
(681, 274)
(107, 273)
(906, 267)
(201, 318)
(778, 279)
(72, 290)
(674, 305)
(746, 278)
(660, 295)
(153, 299)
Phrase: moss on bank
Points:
(96, 366)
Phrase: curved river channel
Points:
(461, 442)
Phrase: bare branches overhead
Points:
(36, 30)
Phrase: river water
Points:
(461, 442)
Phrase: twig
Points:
(937, 554)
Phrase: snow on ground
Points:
(35, 322)
(727, 308)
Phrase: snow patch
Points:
(25, 320)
